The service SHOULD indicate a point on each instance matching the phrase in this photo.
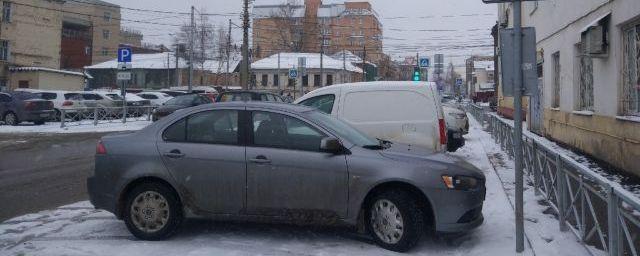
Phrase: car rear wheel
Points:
(395, 220)
(152, 212)
(11, 119)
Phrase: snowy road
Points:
(78, 229)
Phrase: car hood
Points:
(419, 155)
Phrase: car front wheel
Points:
(152, 212)
(395, 221)
(11, 119)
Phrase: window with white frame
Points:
(6, 11)
(555, 103)
(4, 50)
(585, 90)
(106, 34)
(107, 17)
(631, 90)
(105, 51)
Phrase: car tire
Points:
(11, 119)
(411, 219)
(152, 201)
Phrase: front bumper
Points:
(457, 211)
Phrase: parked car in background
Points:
(457, 125)
(156, 98)
(405, 112)
(179, 102)
(173, 93)
(244, 95)
(20, 107)
(70, 102)
(273, 162)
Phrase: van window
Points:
(389, 106)
(323, 103)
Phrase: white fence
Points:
(101, 115)
(598, 211)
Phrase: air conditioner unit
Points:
(595, 40)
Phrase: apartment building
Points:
(317, 27)
(589, 75)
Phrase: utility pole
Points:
(191, 43)
(517, 118)
(344, 66)
(322, 60)
(228, 55)
(278, 73)
(177, 78)
(244, 73)
(364, 63)
(168, 69)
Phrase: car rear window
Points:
(72, 96)
(47, 95)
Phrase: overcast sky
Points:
(456, 28)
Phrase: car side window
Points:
(281, 131)
(323, 103)
(263, 97)
(211, 127)
(5, 98)
(270, 98)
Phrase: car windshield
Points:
(343, 130)
(26, 96)
(114, 96)
(180, 101)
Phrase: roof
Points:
(36, 69)
(159, 61)
(350, 57)
(376, 84)
(290, 60)
(97, 3)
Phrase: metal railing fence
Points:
(101, 115)
(598, 211)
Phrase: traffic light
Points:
(416, 74)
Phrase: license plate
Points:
(44, 115)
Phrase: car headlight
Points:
(460, 182)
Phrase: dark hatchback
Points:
(20, 107)
(248, 96)
(180, 102)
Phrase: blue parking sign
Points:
(293, 73)
(124, 54)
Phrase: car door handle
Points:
(260, 160)
(174, 154)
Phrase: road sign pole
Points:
(517, 133)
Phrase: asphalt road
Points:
(43, 171)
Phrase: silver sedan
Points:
(275, 162)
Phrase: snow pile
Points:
(81, 127)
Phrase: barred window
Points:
(631, 97)
(586, 79)
(6, 11)
(4, 50)
(556, 80)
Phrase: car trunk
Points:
(38, 105)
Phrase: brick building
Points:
(315, 27)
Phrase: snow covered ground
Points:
(78, 229)
(76, 127)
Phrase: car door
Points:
(287, 175)
(5, 102)
(204, 153)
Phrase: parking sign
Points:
(124, 54)
(293, 73)
(424, 62)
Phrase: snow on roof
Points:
(290, 60)
(66, 72)
(350, 57)
(145, 61)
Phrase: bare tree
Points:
(293, 29)
(204, 37)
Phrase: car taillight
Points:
(100, 149)
(50, 105)
(443, 131)
(67, 103)
(30, 106)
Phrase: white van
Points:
(404, 112)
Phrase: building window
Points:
(4, 50)
(631, 97)
(276, 80)
(6, 11)
(23, 84)
(556, 80)
(329, 80)
(105, 52)
(106, 34)
(361, 20)
(3, 85)
(264, 81)
(87, 50)
(586, 80)
(305, 80)
(326, 42)
(316, 80)
(107, 17)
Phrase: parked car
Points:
(70, 102)
(457, 125)
(248, 96)
(114, 107)
(156, 98)
(173, 93)
(405, 112)
(272, 162)
(20, 107)
(179, 102)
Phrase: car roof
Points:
(259, 104)
(249, 91)
(375, 85)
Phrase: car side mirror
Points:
(331, 145)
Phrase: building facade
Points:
(589, 70)
(317, 27)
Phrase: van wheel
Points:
(395, 220)
(11, 119)
(152, 212)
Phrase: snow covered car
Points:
(156, 98)
(280, 162)
(457, 125)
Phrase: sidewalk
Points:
(79, 229)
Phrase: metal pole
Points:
(168, 69)
(244, 74)
(278, 73)
(364, 63)
(517, 132)
(191, 43)
(124, 102)
(228, 55)
(177, 73)
(321, 60)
